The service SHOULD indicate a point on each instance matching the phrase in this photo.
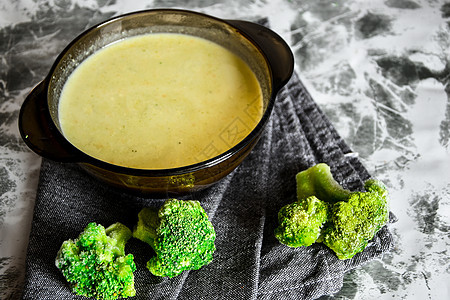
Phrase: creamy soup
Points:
(159, 101)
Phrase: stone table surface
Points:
(379, 70)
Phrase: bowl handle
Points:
(39, 132)
(276, 50)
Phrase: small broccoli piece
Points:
(300, 223)
(95, 264)
(325, 212)
(318, 181)
(353, 223)
(181, 235)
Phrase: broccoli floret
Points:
(95, 264)
(300, 222)
(181, 235)
(353, 223)
(342, 220)
(318, 181)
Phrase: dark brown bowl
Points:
(269, 57)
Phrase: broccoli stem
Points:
(121, 234)
(318, 181)
(148, 222)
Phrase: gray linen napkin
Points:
(249, 262)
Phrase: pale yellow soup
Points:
(159, 101)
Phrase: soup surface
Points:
(159, 101)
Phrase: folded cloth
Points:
(249, 262)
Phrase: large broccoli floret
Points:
(353, 223)
(95, 264)
(181, 235)
(351, 220)
(300, 223)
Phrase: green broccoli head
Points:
(95, 264)
(181, 235)
(351, 220)
(318, 181)
(300, 223)
(353, 223)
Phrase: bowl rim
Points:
(84, 158)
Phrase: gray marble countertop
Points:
(379, 69)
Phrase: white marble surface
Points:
(379, 69)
